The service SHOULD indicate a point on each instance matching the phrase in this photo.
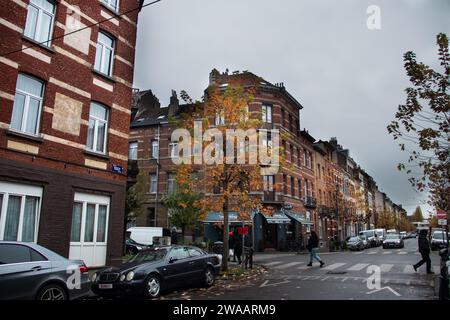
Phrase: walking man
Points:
(424, 249)
(313, 247)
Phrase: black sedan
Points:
(393, 241)
(156, 269)
(355, 243)
(29, 271)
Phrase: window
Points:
(105, 54)
(299, 188)
(153, 183)
(155, 149)
(12, 253)
(89, 219)
(195, 252)
(266, 111)
(98, 128)
(285, 183)
(27, 104)
(268, 183)
(133, 151)
(220, 119)
(291, 153)
(306, 188)
(171, 183)
(179, 253)
(173, 149)
(292, 186)
(19, 215)
(266, 140)
(151, 217)
(113, 4)
(39, 24)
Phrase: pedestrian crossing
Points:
(301, 266)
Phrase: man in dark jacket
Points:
(313, 247)
(424, 249)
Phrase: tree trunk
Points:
(225, 235)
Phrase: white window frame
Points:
(220, 119)
(171, 179)
(133, 152)
(19, 190)
(155, 149)
(153, 181)
(109, 5)
(103, 49)
(96, 123)
(26, 106)
(266, 111)
(38, 26)
(98, 201)
(173, 149)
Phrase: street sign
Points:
(442, 222)
(441, 215)
(117, 169)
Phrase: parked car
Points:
(355, 243)
(393, 241)
(444, 285)
(372, 237)
(439, 240)
(31, 272)
(157, 269)
(132, 247)
(364, 240)
(413, 234)
(403, 234)
(381, 233)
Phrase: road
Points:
(344, 276)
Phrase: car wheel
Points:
(209, 277)
(52, 292)
(153, 286)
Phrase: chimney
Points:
(174, 104)
(214, 76)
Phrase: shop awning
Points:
(217, 217)
(299, 218)
(278, 218)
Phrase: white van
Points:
(144, 235)
(371, 237)
(381, 234)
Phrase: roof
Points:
(299, 218)
(217, 217)
(278, 217)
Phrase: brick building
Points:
(64, 124)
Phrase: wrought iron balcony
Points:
(310, 202)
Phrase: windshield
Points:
(438, 235)
(392, 236)
(149, 255)
(354, 239)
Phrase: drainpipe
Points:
(157, 178)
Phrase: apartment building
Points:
(65, 97)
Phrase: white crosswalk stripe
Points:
(386, 267)
(408, 269)
(272, 263)
(358, 267)
(372, 252)
(403, 252)
(359, 252)
(334, 266)
(387, 252)
(287, 265)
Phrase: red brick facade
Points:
(66, 68)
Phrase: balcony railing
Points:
(269, 196)
(310, 202)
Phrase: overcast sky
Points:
(349, 79)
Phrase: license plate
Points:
(105, 286)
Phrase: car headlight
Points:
(94, 277)
(139, 248)
(130, 276)
(122, 277)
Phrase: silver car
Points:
(31, 272)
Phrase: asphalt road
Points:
(344, 277)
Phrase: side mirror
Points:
(172, 259)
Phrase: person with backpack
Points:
(313, 248)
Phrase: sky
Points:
(350, 79)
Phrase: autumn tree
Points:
(422, 125)
(225, 182)
(417, 215)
